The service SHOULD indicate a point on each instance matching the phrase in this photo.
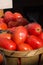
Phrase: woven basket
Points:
(34, 57)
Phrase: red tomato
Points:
(41, 35)
(12, 24)
(8, 16)
(34, 42)
(34, 28)
(1, 58)
(1, 20)
(12, 30)
(20, 22)
(24, 21)
(24, 47)
(3, 26)
(6, 35)
(7, 44)
(17, 16)
(20, 34)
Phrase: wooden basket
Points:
(34, 57)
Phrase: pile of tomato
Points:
(18, 34)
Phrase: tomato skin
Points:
(12, 24)
(20, 34)
(17, 16)
(21, 21)
(34, 42)
(24, 47)
(34, 28)
(7, 44)
(24, 21)
(6, 35)
(1, 20)
(8, 16)
(41, 35)
(12, 30)
(3, 26)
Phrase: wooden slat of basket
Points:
(22, 53)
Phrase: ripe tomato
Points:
(1, 20)
(24, 47)
(24, 21)
(7, 44)
(12, 24)
(17, 16)
(8, 16)
(1, 58)
(34, 42)
(20, 22)
(3, 26)
(20, 34)
(41, 35)
(6, 35)
(12, 30)
(34, 28)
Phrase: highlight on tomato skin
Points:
(34, 28)
(24, 47)
(7, 44)
(5, 35)
(3, 26)
(34, 42)
(20, 34)
(17, 16)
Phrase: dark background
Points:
(31, 9)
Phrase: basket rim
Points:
(22, 53)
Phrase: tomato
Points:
(3, 26)
(12, 30)
(17, 16)
(34, 28)
(24, 47)
(41, 35)
(7, 44)
(1, 58)
(6, 35)
(24, 21)
(20, 34)
(8, 16)
(1, 20)
(34, 42)
(12, 24)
